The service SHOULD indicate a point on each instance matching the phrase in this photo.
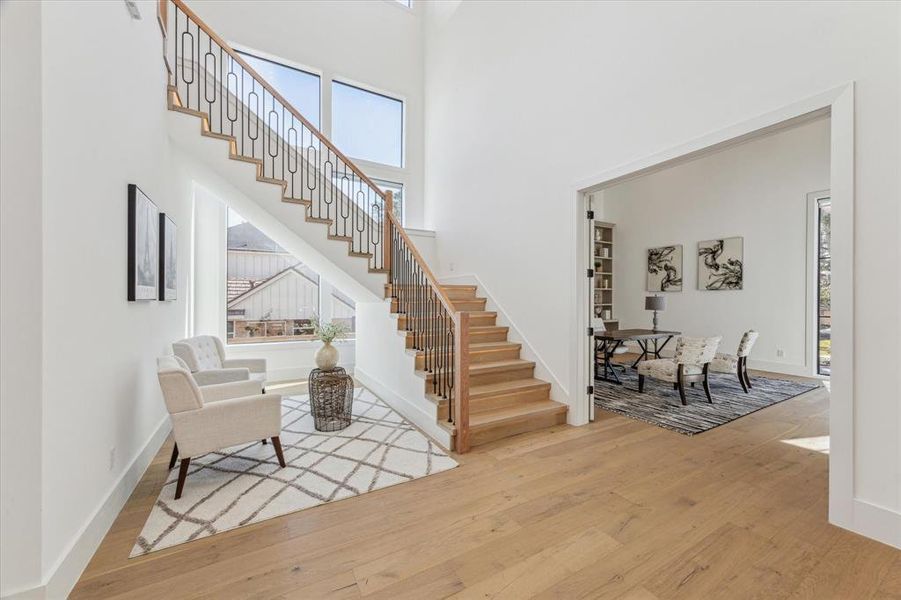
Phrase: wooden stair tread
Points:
(494, 417)
(500, 365)
(474, 313)
(486, 346)
(506, 387)
(496, 366)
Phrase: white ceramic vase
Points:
(327, 357)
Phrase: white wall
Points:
(376, 43)
(20, 309)
(103, 127)
(579, 88)
(757, 190)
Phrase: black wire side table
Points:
(331, 399)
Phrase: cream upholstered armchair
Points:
(690, 363)
(205, 357)
(737, 363)
(215, 416)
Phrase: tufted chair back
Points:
(696, 351)
(180, 391)
(747, 342)
(201, 352)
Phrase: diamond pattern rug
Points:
(244, 484)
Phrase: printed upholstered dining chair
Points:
(215, 416)
(205, 357)
(690, 363)
(737, 363)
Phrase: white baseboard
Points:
(408, 410)
(877, 522)
(63, 576)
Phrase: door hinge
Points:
(590, 273)
(590, 390)
(590, 215)
(590, 331)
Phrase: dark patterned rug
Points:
(660, 404)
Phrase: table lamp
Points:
(655, 303)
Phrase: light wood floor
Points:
(616, 509)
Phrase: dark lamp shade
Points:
(655, 303)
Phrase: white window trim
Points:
(811, 354)
(403, 118)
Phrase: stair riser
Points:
(474, 337)
(487, 336)
(464, 305)
(510, 374)
(454, 294)
(478, 357)
(461, 293)
(475, 320)
(478, 436)
(502, 376)
(480, 405)
(536, 394)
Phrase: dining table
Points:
(607, 342)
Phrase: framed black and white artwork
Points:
(143, 245)
(665, 269)
(168, 258)
(721, 264)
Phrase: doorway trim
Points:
(844, 510)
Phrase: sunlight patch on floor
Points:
(819, 443)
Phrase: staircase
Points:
(480, 387)
(505, 398)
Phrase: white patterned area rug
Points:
(244, 484)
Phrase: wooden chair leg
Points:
(182, 473)
(692, 384)
(706, 384)
(174, 456)
(745, 373)
(675, 385)
(680, 385)
(277, 444)
(641, 384)
(264, 441)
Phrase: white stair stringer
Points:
(275, 217)
(384, 365)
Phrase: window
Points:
(824, 285)
(397, 189)
(366, 125)
(271, 296)
(298, 87)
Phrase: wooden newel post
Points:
(461, 382)
(386, 237)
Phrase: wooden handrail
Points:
(430, 277)
(250, 70)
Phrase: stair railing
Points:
(209, 78)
